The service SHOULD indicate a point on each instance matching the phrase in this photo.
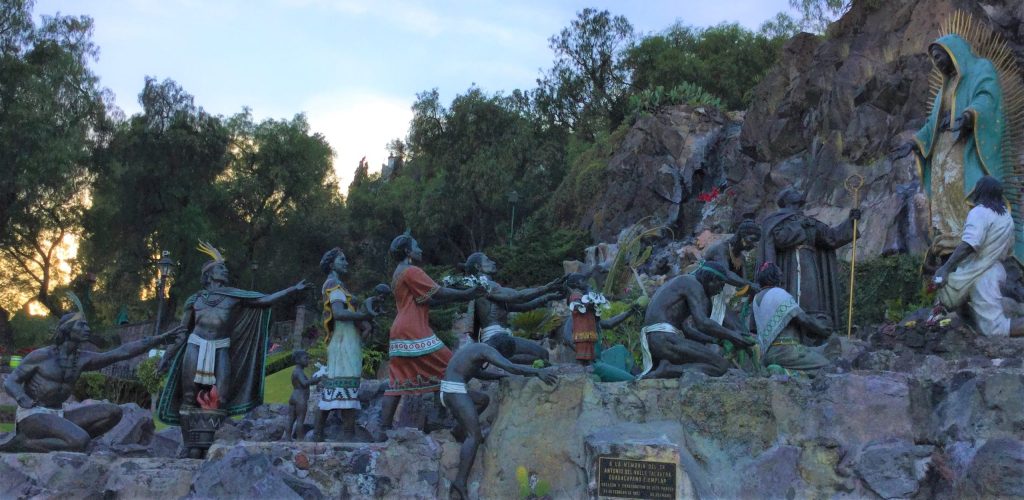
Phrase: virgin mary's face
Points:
(942, 60)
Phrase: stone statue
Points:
(343, 322)
(732, 254)
(44, 380)
(670, 345)
(782, 326)
(805, 250)
(584, 325)
(490, 313)
(466, 404)
(299, 400)
(417, 357)
(216, 370)
(974, 274)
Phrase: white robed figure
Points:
(339, 388)
(974, 274)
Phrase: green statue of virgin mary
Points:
(972, 129)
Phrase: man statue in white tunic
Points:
(974, 273)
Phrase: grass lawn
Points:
(276, 389)
(6, 427)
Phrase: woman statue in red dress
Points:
(417, 357)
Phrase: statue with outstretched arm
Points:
(43, 382)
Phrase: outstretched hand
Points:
(548, 376)
(301, 285)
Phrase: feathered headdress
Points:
(208, 249)
(70, 317)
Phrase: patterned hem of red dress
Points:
(412, 390)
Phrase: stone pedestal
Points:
(633, 463)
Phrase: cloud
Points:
(358, 123)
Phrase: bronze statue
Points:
(668, 343)
(345, 325)
(490, 313)
(732, 254)
(216, 370)
(784, 330)
(44, 380)
(299, 400)
(466, 404)
(805, 250)
(417, 357)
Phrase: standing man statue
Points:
(218, 370)
(342, 320)
(669, 346)
(490, 313)
(44, 380)
(732, 255)
(974, 274)
(805, 250)
(468, 363)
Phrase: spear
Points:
(853, 184)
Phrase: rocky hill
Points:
(833, 106)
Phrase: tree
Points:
(52, 113)
(585, 87)
(154, 190)
(816, 15)
(726, 60)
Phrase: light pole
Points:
(164, 267)
(513, 199)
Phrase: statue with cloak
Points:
(972, 130)
(217, 365)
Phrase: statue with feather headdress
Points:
(216, 370)
(43, 382)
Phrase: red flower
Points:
(709, 196)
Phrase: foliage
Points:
(586, 85)
(886, 288)
(816, 15)
(627, 333)
(726, 60)
(537, 255)
(530, 487)
(32, 331)
(278, 361)
(584, 180)
(631, 255)
(147, 375)
(372, 359)
(95, 385)
(7, 413)
(651, 101)
(535, 324)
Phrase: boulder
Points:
(893, 469)
(131, 436)
(997, 471)
(240, 472)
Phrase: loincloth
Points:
(206, 364)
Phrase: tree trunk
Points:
(6, 333)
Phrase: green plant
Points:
(887, 289)
(151, 381)
(535, 324)
(530, 486)
(627, 333)
(651, 101)
(372, 360)
(632, 253)
(277, 362)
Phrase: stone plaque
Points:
(620, 478)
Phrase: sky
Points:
(353, 67)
